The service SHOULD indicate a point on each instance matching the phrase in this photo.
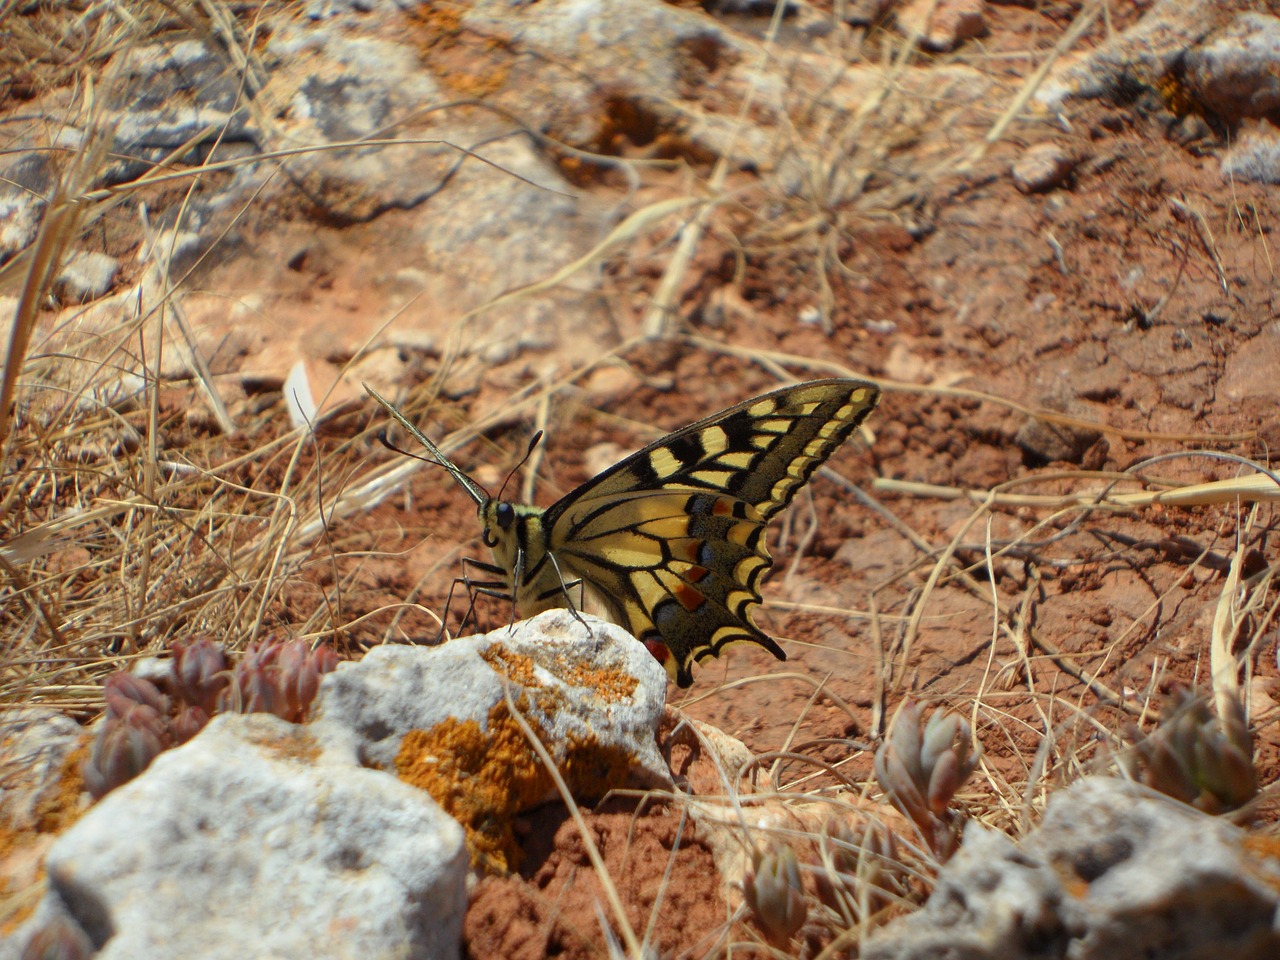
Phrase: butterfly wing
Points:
(671, 539)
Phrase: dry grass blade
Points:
(1241, 603)
(1084, 20)
(1258, 488)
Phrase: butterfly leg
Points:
(565, 587)
(494, 586)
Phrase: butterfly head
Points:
(498, 516)
(508, 529)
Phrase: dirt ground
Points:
(1132, 298)
(1138, 297)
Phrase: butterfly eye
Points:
(506, 515)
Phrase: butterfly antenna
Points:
(537, 437)
(382, 439)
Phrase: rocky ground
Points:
(1045, 228)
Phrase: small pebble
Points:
(85, 276)
(1042, 167)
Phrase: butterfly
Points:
(670, 542)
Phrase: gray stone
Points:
(942, 24)
(1235, 72)
(175, 94)
(85, 276)
(34, 745)
(1041, 167)
(1049, 441)
(600, 688)
(1114, 872)
(991, 902)
(1254, 156)
(1138, 57)
(25, 182)
(250, 841)
(863, 13)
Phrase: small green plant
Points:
(921, 771)
(145, 718)
(1196, 757)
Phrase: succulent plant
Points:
(61, 938)
(200, 673)
(126, 743)
(142, 720)
(775, 895)
(853, 863)
(123, 691)
(921, 771)
(1198, 758)
(279, 678)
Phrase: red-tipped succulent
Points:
(142, 720)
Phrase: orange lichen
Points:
(292, 745)
(1264, 848)
(60, 806)
(481, 778)
(484, 778)
(1175, 95)
(516, 667)
(611, 686)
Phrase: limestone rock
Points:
(942, 24)
(1254, 156)
(1113, 873)
(445, 719)
(34, 746)
(85, 276)
(1042, 167)
(1139, 57)
(250, 841)
(1233, 72)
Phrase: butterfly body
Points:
(670, 541)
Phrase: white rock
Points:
(1233, 73)
(1113, 873)
(448, 719)
(601, 688)
(942, 24)
(1254, 155)
(250, 841)
(85, 276)
(1139, 56)
(34, 745)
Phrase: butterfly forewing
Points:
(673, 536)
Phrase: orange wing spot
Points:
(696, 573)
(723, 507)
(689, 598)
(659, 650)
(686, 550)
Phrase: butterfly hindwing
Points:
(672, 537)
